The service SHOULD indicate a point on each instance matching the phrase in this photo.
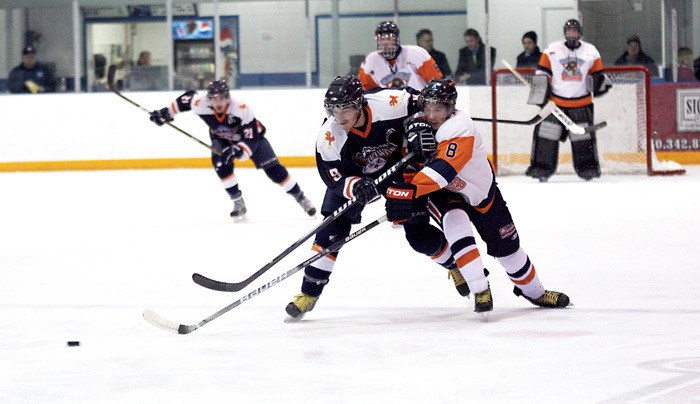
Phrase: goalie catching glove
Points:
(402, 204)
(161, 116)
(421, 139)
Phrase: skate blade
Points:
(240, 219)
(290, 319)
(484, 316)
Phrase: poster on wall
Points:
(688, 109)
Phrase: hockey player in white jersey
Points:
(394, 65)
(235, 132)
(570, 73)
(457, 186)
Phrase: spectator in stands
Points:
(31, 77)
(634, 55)
(685, 65)
(144, 59)
(472, 59)
(696, 66)
(424, 39)
(531, 52)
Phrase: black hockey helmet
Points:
(387, 29)
(441, 91)
(218, 87)
(572, 41)
(343, 92)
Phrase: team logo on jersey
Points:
(329, 138)
(571, 69)
(456, 185)
(372, 159)
(508, 231)
(227, 133)
(393, 100)
(242, 106)
(396, 80)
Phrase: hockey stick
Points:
(544, 113)
(168, 325)
(130, 101)
(236, 286)
(570, 125)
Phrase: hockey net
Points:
(624, 146)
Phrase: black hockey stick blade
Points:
(220, 286)
(546, 110)
(595, 127)
(170, 326)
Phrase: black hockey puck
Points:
(73, 343)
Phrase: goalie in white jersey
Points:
(457, 187)
(570, 73)
(394, 65)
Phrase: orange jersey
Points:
(568, 69)
(461, 165)
(412, 67)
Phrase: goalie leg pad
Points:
(545, 150)
(584, 147)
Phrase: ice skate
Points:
(301, 305)
(460, 283)
(483, 302)
(540, 173)
(306, 204)
(549, 299)
(239, 209)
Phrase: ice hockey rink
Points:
(84, 253)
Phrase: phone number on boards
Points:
(677, 144)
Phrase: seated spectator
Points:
(424, 39)
(472, 59)
(696, 66)
(634, 55)
(685, 65)
(531, 53)
(31, 77)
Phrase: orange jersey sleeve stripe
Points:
(597, 66)
(366, 80)
(424, 184)
(545, 62)
(457, 151)
(429, 70)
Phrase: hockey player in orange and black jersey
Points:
(571, 70)
(238, 135)
(394, 65)
(362, 138)
(458, 187)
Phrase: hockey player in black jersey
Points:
(239, 136)
(362, 138)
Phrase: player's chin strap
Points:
(130, 101)
(171, 326)
(558, 113)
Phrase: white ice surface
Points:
(82, 254)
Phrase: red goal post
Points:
(624, 146)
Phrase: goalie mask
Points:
(387, 37)
(343, 93)
(572, 39)
(440, 91)
(218, 88)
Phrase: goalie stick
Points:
(570, 125)
(167, 325)
(236, 286)
(134, 103)
(544, 112)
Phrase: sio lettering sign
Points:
(688, 109)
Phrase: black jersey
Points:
(238, 125)
(343, 157)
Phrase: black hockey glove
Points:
(365, 191)
(421, 139)
(402, 204)
(230, 152)
(159, 117)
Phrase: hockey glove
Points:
(159, 117)
(402, 204)
(421, 139)
(365, 191)
(230, 152)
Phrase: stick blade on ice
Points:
(165, 324)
